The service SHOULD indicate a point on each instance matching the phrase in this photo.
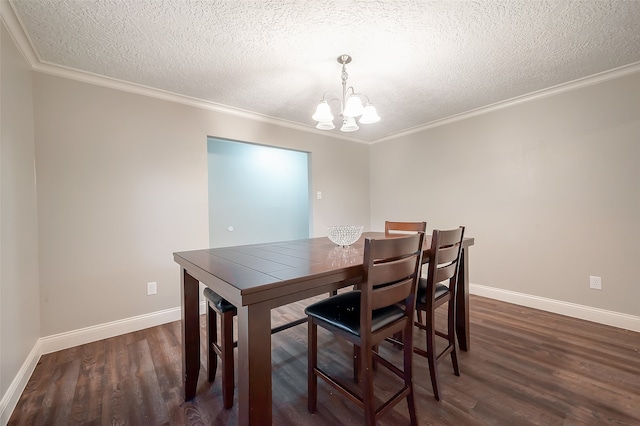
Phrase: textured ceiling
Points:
(418, 61)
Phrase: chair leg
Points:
(431, 354)
(212, 336)
(366, 366)
(451, 336)
(374, 362)
(356, 364)
(408, 373)
(454, 361)
(312, 379)
(226, 350)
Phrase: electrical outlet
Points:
(595, 282)
(152, 288)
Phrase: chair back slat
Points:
(450, 237)
(391, 271)
(448, 254)
(445, 273)
(393, 293)
(388, 249)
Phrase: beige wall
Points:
(122, 184)
(19, 292)
(549, 188)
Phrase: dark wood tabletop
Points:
(259, 277)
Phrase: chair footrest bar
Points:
(442, 334)
(394, 341)
(420, 352)
(280, 328)
(395, 370)
(391, 402)
(445, 352)
(283, 327)
(337, 386)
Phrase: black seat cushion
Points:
(343, 311)
(441, 290)
(218, 302)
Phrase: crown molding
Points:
(19, 36)
(543, 93)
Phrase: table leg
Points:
(189, 298)
(254, 365)
(462, 302)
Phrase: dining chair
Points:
(222, 347)
(438, 288)
(382, 306)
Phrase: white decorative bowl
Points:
(344, 235)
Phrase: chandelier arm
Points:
(324, 97)
(353, 91)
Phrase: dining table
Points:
(257, 278)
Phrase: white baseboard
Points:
(12, 395)
(601, 316)
(69, 339)
(81, 336)
(58, 342)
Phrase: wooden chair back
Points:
(404, 227)
(446, 247)
(391, 271)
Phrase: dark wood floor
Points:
(525, 367)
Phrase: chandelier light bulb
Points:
(354, 107)
(349, 125)
(323, 112)
(325, 125)
(370, 115)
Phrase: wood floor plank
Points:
(525, 367)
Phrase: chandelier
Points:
(350, 106)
